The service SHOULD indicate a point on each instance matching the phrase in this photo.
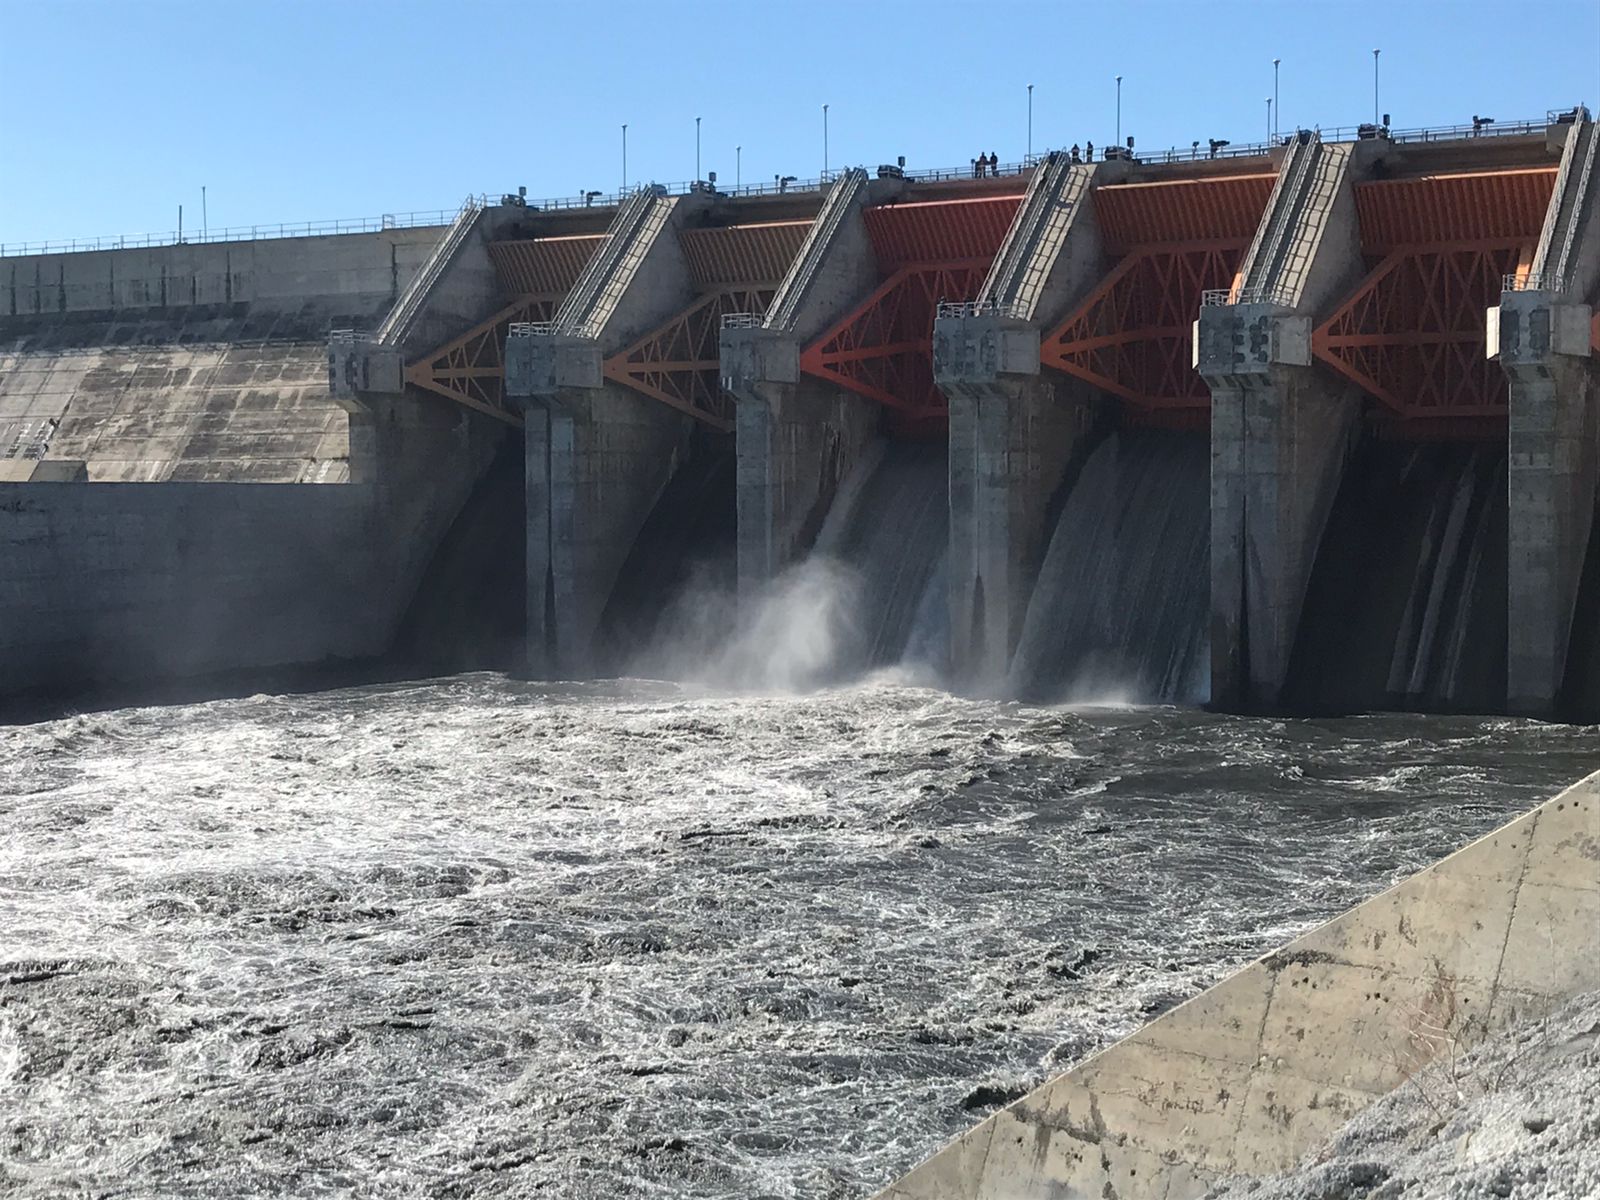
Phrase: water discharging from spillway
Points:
(1119, 610)
(870, 594)
(1407, 600)
(890, 531)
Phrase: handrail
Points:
(411, 220)
(974, 308)
(741, 320)
(528, 329)
(396, 325)
(1533, 281)
(1261, 294)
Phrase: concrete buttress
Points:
(797, 436)
(1281, 428)
(1013, 429)
(598, 453)
(1541, 335)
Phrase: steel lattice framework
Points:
(881, 350)
(1131, 336)
(470, 369)
(1412, 335)
(677, 363)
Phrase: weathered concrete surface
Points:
(598, 453)
(797, 437)
(1281, 428)
(1255, 1071)
(1541, 338)
(1013, 429)
(191, 362)
(1516, 1116)
(208, 574)
(125, 582)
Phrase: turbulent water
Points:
(481, 938)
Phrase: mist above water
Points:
(869, 597)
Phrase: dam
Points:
(818, 650)
(1344, 379)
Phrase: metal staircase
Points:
(1275, 267)
(1017, 277)
(1556, 259)
(593, 297)
(398, 323)
(836, 207)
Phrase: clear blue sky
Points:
(113, 112)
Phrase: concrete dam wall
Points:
(1192, 411)
(184, 492)
(1255, 1072)
(194, 362)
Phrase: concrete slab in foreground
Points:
(1254, 1072)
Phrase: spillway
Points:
(1119, 609)
(677, 581)
(470, 611)
(890, 530)
(1407, 601)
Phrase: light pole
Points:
(1030, 121)
(1276, 110)
(624, 190)
(1269, 119)
(1374, 86)
(205, 221)
(1119, 110)
(697, 149)
(824, 143)
(738, 167)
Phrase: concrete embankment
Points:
(1258, 1070)
(190, 362)
(1517, 1117)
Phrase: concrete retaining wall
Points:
(348, 264)
(129, 582)
(1258, 1070)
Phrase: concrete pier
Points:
(797, 436)
(1013, 427)
(598, 453)
(1541, 335)
(1280, 427)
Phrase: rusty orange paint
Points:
(470, 368)
(745, 255)
(536, 266)
(678, 364)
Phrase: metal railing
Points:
(783, 186)
(1533, 281)
(234, 233)
(741, 320)
(349, 337)
(1272, 293)
(975, 308)
(528, 329)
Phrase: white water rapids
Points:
(482, 938)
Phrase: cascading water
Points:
(890, 530)
(683, 556)
(1120, 606)
(1407, 600)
